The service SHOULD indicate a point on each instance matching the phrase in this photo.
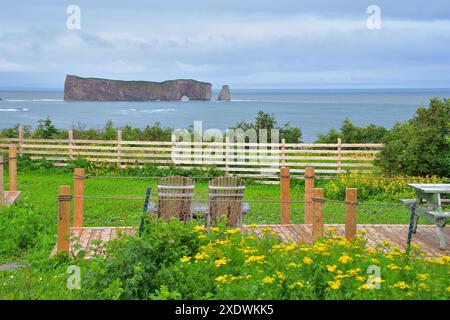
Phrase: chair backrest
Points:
(175, 198)
(226, 196)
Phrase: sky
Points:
(243, 43)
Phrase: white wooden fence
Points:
(257, 160)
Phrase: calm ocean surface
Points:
(314, 111)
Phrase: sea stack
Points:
(95, 89)
(224, 94)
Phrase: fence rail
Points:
(257, 160)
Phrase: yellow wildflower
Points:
(201, 256)
(376, 261)
(344, 259)
(215, 229)
(392, 266)
(185, 259)
(199, 228)
(401, 285)
(297, 284)
(220, 262)
(448, 289)
(423, 286)
(331, 268)
(360, 278)
(201, 236)
(307, 260)
(353, 272)
(423, 276)
(293, 265)
(255, 259)
(365, 287)
(268, 280)
(334, 284)
(233, 231)
(281, 276)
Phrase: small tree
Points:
(422, 145)
(46, 129)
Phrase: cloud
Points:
(8, 66)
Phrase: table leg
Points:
(441, 237)
(411, 227)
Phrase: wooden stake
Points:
(2, 187)
(339, 149)
(317, 222)
(309, 186)
(78, 201)
(285, 196)
(64, 199)
(283, 152)
(119, 147)
(351, 205)
(12, 168)
(20, 139)
(71, 144)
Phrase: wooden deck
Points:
(89, 238)
(11, 197)
(394, 234)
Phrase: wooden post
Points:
(285, 196)
(78, 201)
(20, 139)
(309, 186)
(317, 223)
(2, 187)
(351, 205)
(119, 147)
(12, 168)
(71, 144)
(339, 149)
(64, 198)
(283, 152)
(227, 141)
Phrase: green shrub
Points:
(134, 263)
(422, 145)
(375, 186)
(20, 227)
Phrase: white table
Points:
(433, 211)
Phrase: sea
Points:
(315, 111)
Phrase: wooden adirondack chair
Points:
(175, 198)
(226, 196)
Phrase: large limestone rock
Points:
(224, 94)
(94, 89)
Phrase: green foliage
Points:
(375, 186)
(134, 264)
(20, 227)
(46, 130)
(350, 133)
(422, 145)
(268, 121)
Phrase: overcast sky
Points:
(244, 43)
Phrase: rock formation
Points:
(224, 94)
(94, 89)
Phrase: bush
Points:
(132, 268)
(349, 133)
(374, 185)
(422, 145)
(20, 227)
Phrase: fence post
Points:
(78, 201)
(20, 139)
(71, 144)
(283, 152)
(2, 187)
(351, 205)
(285, 196)
(317, 223)
(339, 149)
(119, 147)
(12, 168)
(309, 186)
(227, 141)
(64, 198)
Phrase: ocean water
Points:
(314, 111)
